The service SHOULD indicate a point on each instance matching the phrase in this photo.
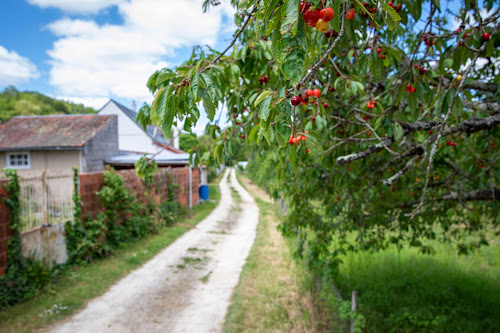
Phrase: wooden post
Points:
(44, 198)
(353, 307)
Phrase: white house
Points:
(132, 138)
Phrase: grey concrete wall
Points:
(101, 146)
(46, 244)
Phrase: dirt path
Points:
(187, 286)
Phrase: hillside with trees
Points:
(29, 103)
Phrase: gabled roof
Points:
(55, 132)
(153, 132)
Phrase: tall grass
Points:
(410, 292)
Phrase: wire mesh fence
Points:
(45, 197)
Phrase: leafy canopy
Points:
(400, 147)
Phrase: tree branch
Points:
(474, 195)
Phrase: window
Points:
(19, 160)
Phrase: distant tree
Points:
(187, 141)
(16, 103)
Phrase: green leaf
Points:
(335, 23)
(265, 108)
(195, 85)
(159, 105)
(245, 4)
(398, 131)
(207, 103)
(292, 68)
(270, 9)
(253, 132)
(164, 76)
(218, 153)
(291, 17)
(262, 96)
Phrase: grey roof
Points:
(153, 132)
(165, 158)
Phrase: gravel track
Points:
(188, 285)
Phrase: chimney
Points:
(133, 105)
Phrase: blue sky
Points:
(89, 51)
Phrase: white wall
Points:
(131, 137)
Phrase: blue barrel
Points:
(204, 192)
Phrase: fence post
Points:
(353, 307)
(44, 198)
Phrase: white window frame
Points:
(10, 166)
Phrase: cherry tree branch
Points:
(235, 38)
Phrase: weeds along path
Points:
(186, 287)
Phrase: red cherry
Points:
(328, 34)
(325, 105)
(307, 150)
(413, 89)
(390, 3)
(379, 50)
(331, 89)
(368, 105)
(486, 36)
(316, 93)
(311, 17)
(430, 132)
(309, 92)
(295, 100)
(350, 14)
(327, 14)
(304, 5)
(408, 87)
(382, 56)
(242, 136)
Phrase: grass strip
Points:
(80, 284)
(269, 296)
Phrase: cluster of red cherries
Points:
(296, 140)
(296, 100)
(379, 52)
(264, 79)
(316, 18)
(371, 105)
(397, 8)
(410, 88)
(421, 70)
(451, 143)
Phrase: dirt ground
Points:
(186, 287)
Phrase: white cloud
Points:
(93, 102)
(15, 69)
(76, 6)
(92, 60)
(470, 19)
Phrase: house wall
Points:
(131, 137)
(49, 159)
(103, 145)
